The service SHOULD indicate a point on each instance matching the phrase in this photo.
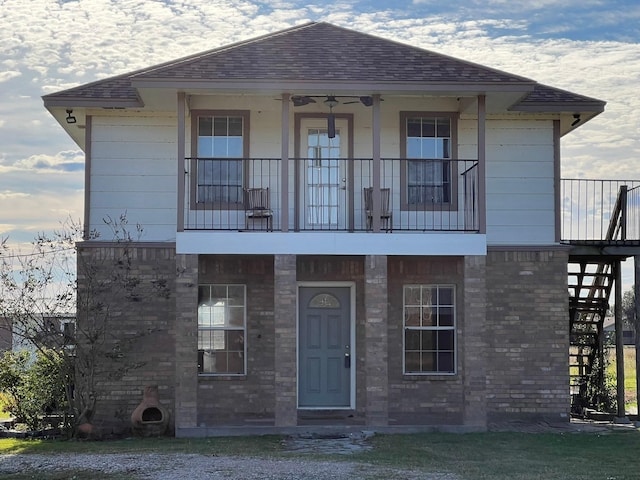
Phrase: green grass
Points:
(495, 456)
(629, 375)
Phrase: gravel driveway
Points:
(209, 467)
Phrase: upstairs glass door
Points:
(324, 176)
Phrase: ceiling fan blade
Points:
(299, 101)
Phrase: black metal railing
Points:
(329, 194)
(600, 210)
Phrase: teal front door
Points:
(324, 348)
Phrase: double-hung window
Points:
(429, 329)
(221, 329)
(428, 143)
(220, 141)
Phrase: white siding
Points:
(133, 172)
(520, 182)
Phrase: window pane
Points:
(235, 127)
(445, 340)
(203, 294)
(236, 317)
(412, 362)
(412, 295)
(412, 316)
(205, 146)
(412, 340)
(220, 126)
(428, 316)
(445, 362)
(444, 127)
(428, 362)
(445, 296)
(219, 147)
(204, 340)
(428, 127)
(236, 294)
(414, 127)
(234, 147)
(429, 296)
(414, 148)
(205, 126)
(235, 340)
(445, 316)
(429, 340)
(235, 362)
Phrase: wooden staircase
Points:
(590, 284)
(591, 279)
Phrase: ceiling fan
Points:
(330, 101)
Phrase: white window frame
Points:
(221, 328)
(434, 328)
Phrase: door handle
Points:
(347, 360)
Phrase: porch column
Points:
(482, 164)
(286, 413)
(620, 415)
(181, 160)
(376, 343)
(284, 166)
(636, 325)
(375, 178)
(186, 335)
(474, 341)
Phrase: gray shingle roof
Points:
(321, 51)
(316, 52)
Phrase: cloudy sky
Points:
(591, 47)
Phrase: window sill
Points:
(215, 377)
(429, 376)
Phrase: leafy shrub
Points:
(32, 387)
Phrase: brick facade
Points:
(511, 337)
(127, 297)
(528, 342)
(424, 399)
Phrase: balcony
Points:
(330, 195)
(600, 213)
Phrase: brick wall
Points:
(528, 341)
(126, 295)
(237, 400)
(424, 399)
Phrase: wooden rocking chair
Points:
(257, 207)
(386, 216)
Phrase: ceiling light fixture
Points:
(71, 118)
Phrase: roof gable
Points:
(319, 52)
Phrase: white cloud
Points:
(8, 75)
(52, 45)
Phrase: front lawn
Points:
(495, 456)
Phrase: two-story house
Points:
(356, 232)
